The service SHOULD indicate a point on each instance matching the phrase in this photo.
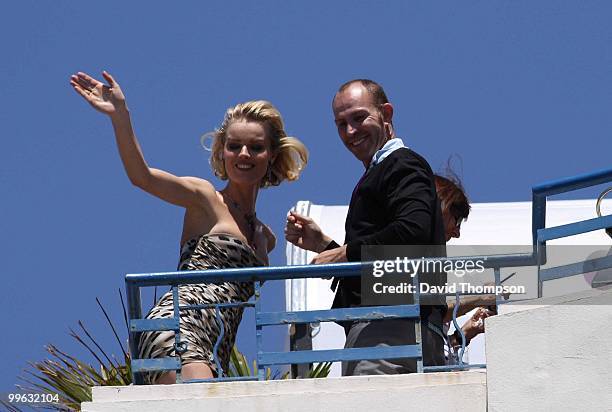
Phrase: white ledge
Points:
(439, 391)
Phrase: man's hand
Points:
(303, 232)
(337, 255)
(475, 324)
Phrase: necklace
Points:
(249, 218)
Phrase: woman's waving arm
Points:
(110, 100)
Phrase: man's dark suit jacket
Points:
(394, 204)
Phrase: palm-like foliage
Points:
(320, 371)
(71, 378)
(239, 366)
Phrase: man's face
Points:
(360, 123)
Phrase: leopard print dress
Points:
(199, 328)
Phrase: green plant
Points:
(71, 378)
(320, 371)
(239, 366)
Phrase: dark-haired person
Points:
(250, 150)
(455, 209)
(393, 203)
(454, 203)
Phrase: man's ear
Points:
(387, 112)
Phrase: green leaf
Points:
(71, 378)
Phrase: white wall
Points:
(552, 358)
(444, 392)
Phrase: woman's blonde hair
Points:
(289, 154)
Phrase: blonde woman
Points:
(250, 150)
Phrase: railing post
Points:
(498, 297)
(178, 345)
(261, 371)
(538, 222)
(451, 349)
(134, 312)
(417, 322)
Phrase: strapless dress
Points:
(199, 328)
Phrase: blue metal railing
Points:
(137, 325)
(541, 234)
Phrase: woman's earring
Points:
(222, 160)
(268, 178)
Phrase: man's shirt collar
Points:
(391, 146)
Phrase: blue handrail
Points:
(554, 187)
(260, 274)
(541, 234)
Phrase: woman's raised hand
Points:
(108, 99)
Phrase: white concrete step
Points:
(456, 391)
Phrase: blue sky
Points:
(521, 90)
